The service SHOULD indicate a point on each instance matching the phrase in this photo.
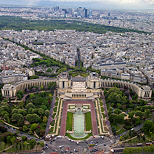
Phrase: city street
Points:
(63, 144)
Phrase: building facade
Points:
(85, 87)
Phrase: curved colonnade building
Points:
(78, 86)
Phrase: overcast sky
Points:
(108, 4)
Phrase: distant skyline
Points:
(93, 4)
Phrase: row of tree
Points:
(145, 149)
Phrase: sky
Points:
(100, 4)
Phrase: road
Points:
(29, 137)
(135, 128)
(80, 148)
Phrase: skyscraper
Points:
(86, 14)
(90, 13)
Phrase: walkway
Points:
(107, 117)
(25, 95)
(64, 116)
(51, 110)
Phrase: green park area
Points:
(11, 142)
(31, 114)
(18, 23)
(126, 111)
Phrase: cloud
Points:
(104, 4)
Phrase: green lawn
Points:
(69, 135)
(137, 140)
(52, 129)
(103, 115)
(121, 131)
(56, 104)
(53, 115)
(55, 109)
(88, 121)
(53, 122)
(116, 126)
(43, 125)
(69, 122)
(102, 109)
(101, 103)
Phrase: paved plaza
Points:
(64, 116)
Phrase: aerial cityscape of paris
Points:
(77, 76)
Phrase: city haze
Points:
(98, 4)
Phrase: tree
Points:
(137, 122)
(14, 111)
(38, 101)
(42, 132)
(115, 90)
(41, 87)
(30, 105)
(147, 127)
(139, 113)
(120, 138)
(20, 117)
(147, 113)
(17, 117)
(114, 131)
(45, 119)
(41, 111)
(42, 144)
(47, 113)
(34, 77)
(14, 117)
(52, 86)
(25, 128)
(119, 105)
(6, 116)
(13, 139)
(32, 143)
(117, 111)
(20, 122)
(132, 150)
(3, 129)
(32, 117)
(44, 107)
(24, 138)
(34, 126)
(9, 139)
(120, 118)
(21, 111)
(112, 118)
(21, 104)
(114, 97)
(49, 70)
(30, 111)
(131, 114)
(31, 96)
(20, 94)
(142, 102)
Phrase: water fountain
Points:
(79, 131)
